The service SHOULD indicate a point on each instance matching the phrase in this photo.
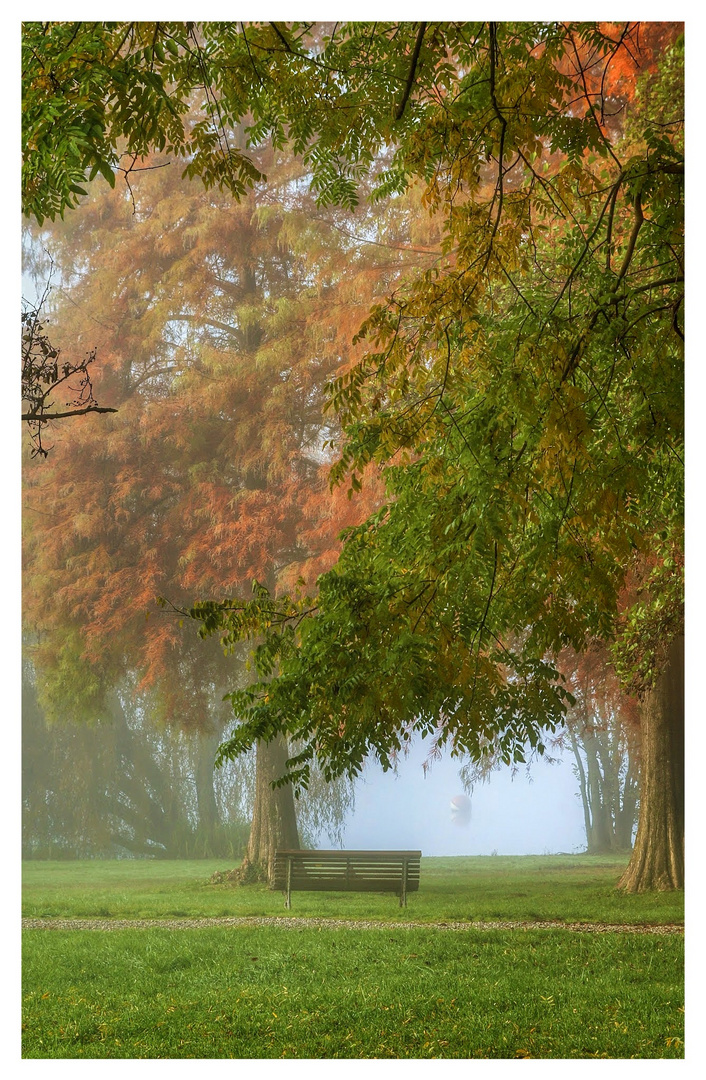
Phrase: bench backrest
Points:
(347, 871)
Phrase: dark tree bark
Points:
(274, 821)
(657, 861)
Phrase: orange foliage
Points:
(607, 76)
(217, 326)
(591, 678)
(643, 44)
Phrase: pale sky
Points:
(509, 816)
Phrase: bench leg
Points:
(288, 901)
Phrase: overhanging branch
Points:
(412, 71)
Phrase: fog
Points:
(127, 787)
(509, 815)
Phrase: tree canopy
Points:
(521, 396)
(524, 397)
(218, 325)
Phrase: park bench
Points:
(347, 871)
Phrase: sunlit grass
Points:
(565, 887)
(272, 992)
(326, 993)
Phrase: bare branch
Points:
(43, 375)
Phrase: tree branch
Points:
(412, 71)
(503, 128)
(282, 38)
(637, 225)
(41, 417)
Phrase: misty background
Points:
(509, 814)
(123, 787)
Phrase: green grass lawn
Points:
(261, 993)
(325, 992)
(572, 888)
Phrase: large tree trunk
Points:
(274, 821)
(657, 861)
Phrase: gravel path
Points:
(283, 923)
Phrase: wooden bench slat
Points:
(329, 885)
(298, 876)
(334, 870)
(345, 853)
(353, 872)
